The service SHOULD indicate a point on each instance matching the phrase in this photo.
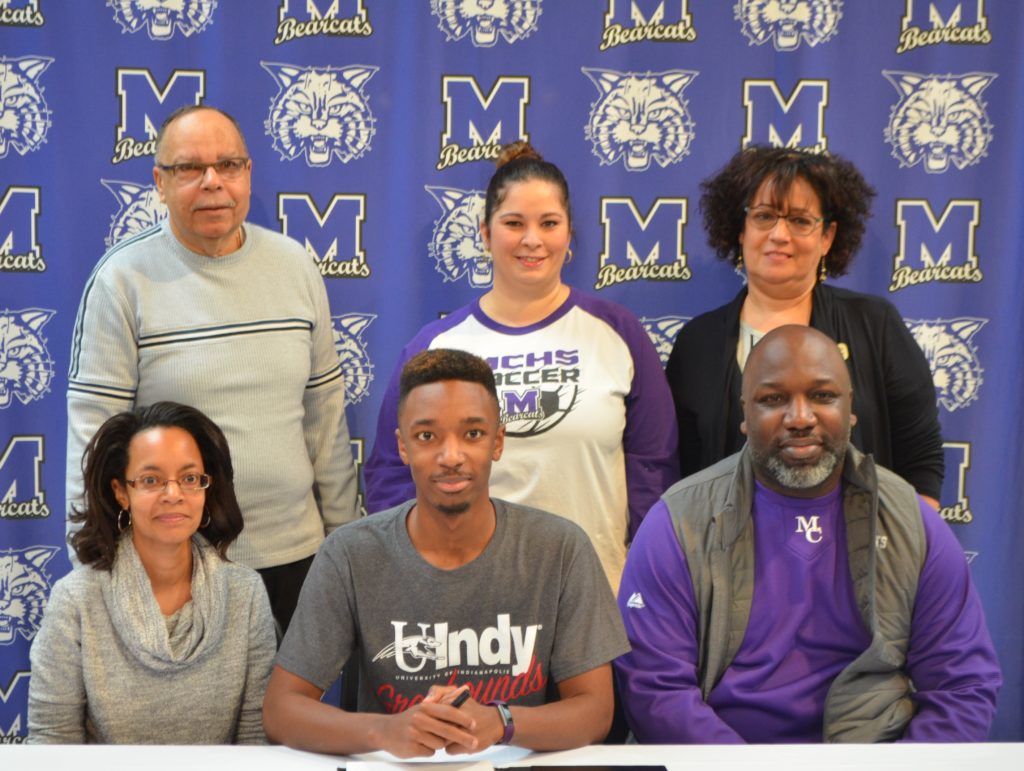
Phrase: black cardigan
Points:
(893, 394)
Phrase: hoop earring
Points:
(202, 524)
(121, 525)
(568, 254)
(822, 270)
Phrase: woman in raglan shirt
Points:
(589, 418)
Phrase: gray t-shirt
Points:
(533, 609)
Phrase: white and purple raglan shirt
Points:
(589, 420)
(804, 628)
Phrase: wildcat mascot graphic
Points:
(24, 587)
(952, 356)
(138, 207)
(640, 117)
(355, 361)
(455, 244)
(787, 23)
(320, 113)
(26, 369)
(161, 17)
(24, 116)
(485, 20)
(663, 332)
(939, 120)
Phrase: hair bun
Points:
(516, 150)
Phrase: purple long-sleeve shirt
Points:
(804, 628)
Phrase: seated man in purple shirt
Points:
(797, 592)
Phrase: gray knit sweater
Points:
(247, 339)
(108, 667)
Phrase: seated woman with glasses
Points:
(156, 638)
(790, 218)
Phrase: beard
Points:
(800, 477)
(453, 509)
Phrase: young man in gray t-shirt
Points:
(448, 593)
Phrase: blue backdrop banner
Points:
(372, 124)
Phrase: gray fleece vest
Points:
(869, 701)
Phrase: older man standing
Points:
(797, 592)
(232, 318)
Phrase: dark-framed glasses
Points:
(189, 483)
(763, 218)
(187, 173)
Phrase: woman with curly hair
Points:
(156, 638)
(788, 219)
(587, 412)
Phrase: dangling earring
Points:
(822, 270)
(121, 524)
(206, 511)
(739, 260)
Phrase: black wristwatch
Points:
(506, 720)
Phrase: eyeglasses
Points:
(764, 218)
(190, 483)
(188, 173)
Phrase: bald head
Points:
(794, 341)
(797, 410)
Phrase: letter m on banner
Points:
(794, 121)
(629, 13)
(335, 235)
(934, 14)
(145, 104)
(632, 238)
(21, 468)
(19, 210)
(13, 708)
(927, 241)
(473, 118)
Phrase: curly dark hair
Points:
(844, 194)
(106, 458)
(445, 364)
(520, 162)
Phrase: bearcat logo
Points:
(485, 20)
(788, 22)
(355, 361)
(320, 113)
(138, 207)
(19, 246)
(939, 120)
(952, 357)
(24, 587)
(161, 17)
(342, 221)
(24, 116)
(455, 244)
(936, 249)
(306, 18)
(642, 246)
(145, 106)
(476, 124)
(21, 14)
(663, 331)
(14, 708)
(640, 117)
(21, 489)
(26, 369)
(954, 504)
(634, 21)
(779, 121)
(930, 22)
